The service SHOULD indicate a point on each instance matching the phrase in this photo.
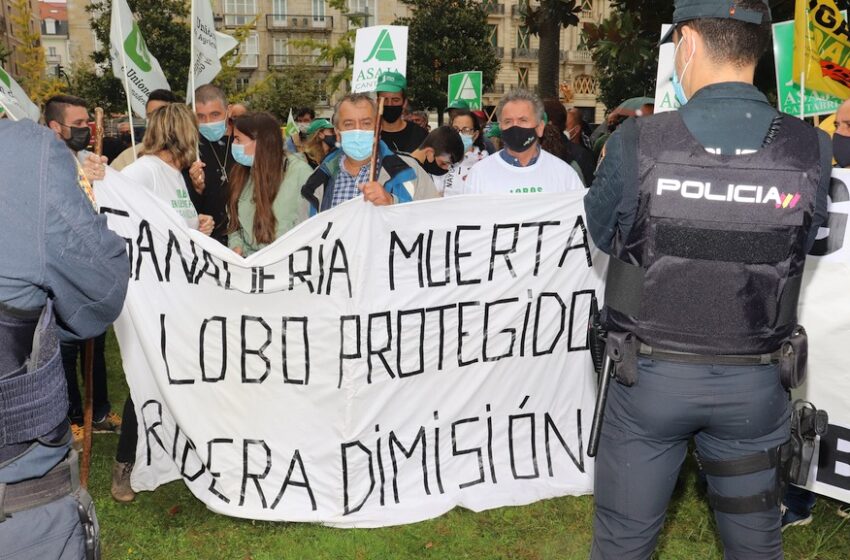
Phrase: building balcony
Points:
(303, 23)
(586, 15)
(238, 20)
(284, 60)
(500, 52)
(518, 10)
(524, 54)
(248, 61)
(577, 57)
(493, 8)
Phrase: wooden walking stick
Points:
(373, 172)
(88, 362)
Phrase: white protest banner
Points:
(208, 46)
(132, 63)
(665, 95)
(14, 99)
(375, 366)
(823, 312)
(378, 49)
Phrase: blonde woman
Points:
(169, 147)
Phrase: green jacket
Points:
(286, 207)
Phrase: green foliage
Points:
(5, 53)
(99, 90)
(546, 21)
(289, 88)
(164, 25)
(625, 57)
(445, 37)
(32, 64)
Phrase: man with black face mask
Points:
(522, 166)
(441, 150)
(397, 133)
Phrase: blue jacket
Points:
(325, 175)
(54, 243)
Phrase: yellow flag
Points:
(822, 47)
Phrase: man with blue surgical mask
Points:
(707, 214)
(344, 173)
(209, 176)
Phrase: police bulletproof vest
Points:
(714, 260)
(33, 392)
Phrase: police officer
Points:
(63, 275)
(707, 214)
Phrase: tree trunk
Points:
(548, 58)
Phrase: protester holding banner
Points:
(702, 289)
(64, 278)
(522, 166)
(264, 193)
(344, 173)
(158, 98)
(399, 134)
(434, 160)
(469, 127)
(170, 146)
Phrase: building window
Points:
(51, 51)
(585, 84)
(242, 83)
(250, 51)
(365, 10)
(522, 77)
(522, 38)
(494, 35)
(323, 91)
(279, 11)
(50, 26)
(239, 12)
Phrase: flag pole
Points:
(126, 86)
(802, 95)
(192, 60)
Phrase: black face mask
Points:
(330, 141)
(841, 149)
(518, 138)
(125, 138)
(79, 140)
(432, 168)
(393, 113)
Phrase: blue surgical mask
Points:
(357, 144)
(238, 151)
(213, 131)
(677, 82)
(467, 141)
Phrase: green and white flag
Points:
(132, 63)
(378, 49)
(14, 99)
(466, 86)
(208, 46)
(291, 126)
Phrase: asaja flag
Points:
(465, 86)
(208, 46)
(822, 47)
(14, 99)
(132, 62)
(291, 126)
(378, 49)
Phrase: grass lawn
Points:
(171, 524)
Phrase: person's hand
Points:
(94, 168)
(196, 174)
(205, 224)
(237, 250)
(375, 193)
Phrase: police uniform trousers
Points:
(730, 411)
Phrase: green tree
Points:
(164, 26)
(445, 37)
(32, 65)
(280, 91)
(546, 21)
(226, 78)
(625, 59)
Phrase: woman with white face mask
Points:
(469, 127)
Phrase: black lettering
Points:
(461, 334)
(339, 250)
(446, 255)
(347, 510)
(303, 275)
(461, 255)
(503, 252)
(306, 379)
(408, 453)
(421, 337)
(145, 235)
(343, 355)
(540, 226)
(395, 241)
(456, 451)
(222, 321)
(372, 351)
(510, 351)
(259, 352)
(256, 477)
(163, 343)
(303, 483)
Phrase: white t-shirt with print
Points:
(548, 174)
(453, 182)
(165, 182)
